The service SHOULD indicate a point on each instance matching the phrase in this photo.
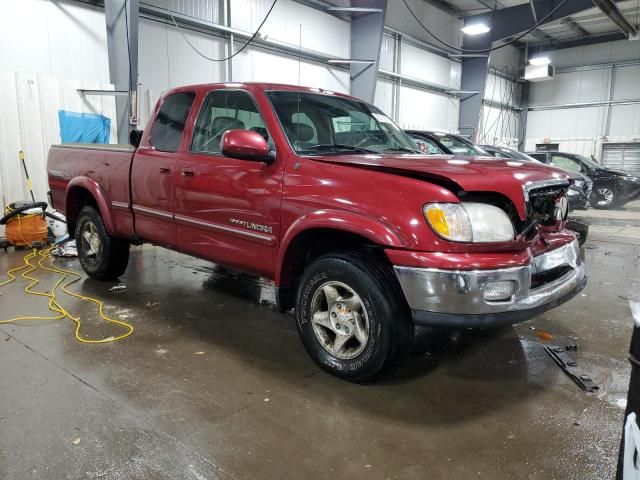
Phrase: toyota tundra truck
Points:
(362, 234)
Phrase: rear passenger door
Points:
(152, 172)
(227, 209)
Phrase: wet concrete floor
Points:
(214, 384)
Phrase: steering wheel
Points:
(367, 141)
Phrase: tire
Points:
(102, 256)
(603, 198)
(362, 293)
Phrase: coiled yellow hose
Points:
(45, 262)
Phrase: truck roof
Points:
(203, 87)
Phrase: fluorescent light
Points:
(475, 29)
(540, 60)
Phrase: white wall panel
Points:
(29, 122)
(502, 90)
(625, 121)
(422, 110)
(498, 127)
(387, 50)
(320, 31)
(572, 87)
(599, 53)
(61, 38)
(429, 67)
(254, 64)
(626, 82)
(209, 10)
(568, 122)
(384, 96)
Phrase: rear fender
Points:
(74, 201)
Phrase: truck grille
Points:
(541, 206)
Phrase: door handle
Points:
(165, 170)
(187, 173)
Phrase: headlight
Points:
(572, 193)
(632, 178)
(578, 183)
(469, 222)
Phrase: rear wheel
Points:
(102, 256)
(352, 317)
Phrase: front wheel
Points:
(352, 317)
(603, 197)
(102, 256)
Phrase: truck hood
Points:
(472, 174)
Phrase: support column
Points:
(474, 76)
(366, 40)
(524, 105)
(121, 17)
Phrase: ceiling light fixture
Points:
(475, 29)
(540, 60)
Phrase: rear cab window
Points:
(168, 126)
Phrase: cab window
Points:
(566, 163)
(225, 110)
(166, 132)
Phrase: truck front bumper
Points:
(484, 298)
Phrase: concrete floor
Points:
(253, 405)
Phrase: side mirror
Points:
(135, 136)
(245, 145)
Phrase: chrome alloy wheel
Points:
(90, 240)
(606, 196)
(339, 320)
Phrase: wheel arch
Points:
(83, 191)
(327, 232)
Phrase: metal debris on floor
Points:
(569, 366)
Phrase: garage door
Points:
(622, 156)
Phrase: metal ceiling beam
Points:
(611, 10)
(447, 7)
(510, 21)
(495, 5)
(575, 26)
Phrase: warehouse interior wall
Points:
(29, 122)
(584, 108)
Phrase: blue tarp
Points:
(83, 127)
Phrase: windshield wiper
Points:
(336, 147)
(401, 149)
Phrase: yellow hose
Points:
(54, 305)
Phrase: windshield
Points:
(459, 145)
(588, 161)
(516, 155)
(322, 124)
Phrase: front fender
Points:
(93, 188)
(374, 229)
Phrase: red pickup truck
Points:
(364, 235)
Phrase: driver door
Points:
(227, 210)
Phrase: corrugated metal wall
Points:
(418, 108)
(29, 122)
(208, 10)
(499, 122)
(587, 128)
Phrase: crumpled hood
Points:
(472, 174)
